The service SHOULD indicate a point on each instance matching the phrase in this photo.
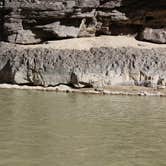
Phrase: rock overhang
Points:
(30, 22)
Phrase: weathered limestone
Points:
(31, 22)
(98, 67)
(154, 35)
(90, 63)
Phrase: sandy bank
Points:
(117, 90)
(102, 41)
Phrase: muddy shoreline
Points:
(118, 90)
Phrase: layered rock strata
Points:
(36, 21)
(27, 25)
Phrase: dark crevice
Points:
(2, 20)
(6, 75)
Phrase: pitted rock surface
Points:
(98, 67)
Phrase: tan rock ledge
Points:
(102, 41)
(85, 62)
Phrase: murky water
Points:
(58, 129)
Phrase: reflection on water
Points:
(58, 129)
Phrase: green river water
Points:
(59, 129)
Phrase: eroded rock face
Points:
(154, 35)
(96, 67)
(35, 21)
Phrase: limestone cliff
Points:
(95, 62)
(27, 55)
(36, 21)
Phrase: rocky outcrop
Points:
(101, 66)
(27, 25)
(36, 21)
(154, 35)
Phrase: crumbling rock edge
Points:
(106, 65)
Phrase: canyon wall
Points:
(120, 64)
(37, 21)
(28, 26)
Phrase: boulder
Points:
(154, 35)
